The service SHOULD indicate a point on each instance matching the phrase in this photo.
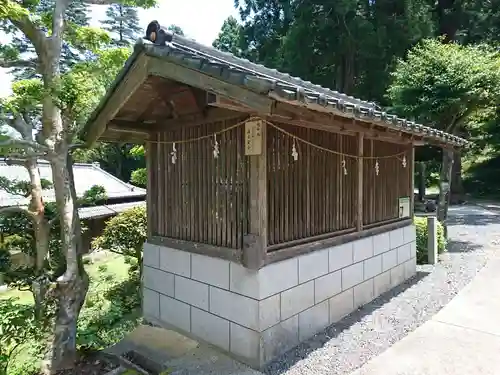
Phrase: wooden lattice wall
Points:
(311, 195)
(200, 198)
(381, 192)
(206, 200)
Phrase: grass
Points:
(114, 265)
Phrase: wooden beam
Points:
(331, 122)
(255, 243)
(233, 255)
(359, 186)
(218, 101)
(125, 89)
(304, 117)
(128, 127)
(194, 78)
(335, 239)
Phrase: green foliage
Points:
(444, 84)
(137, 150)
(112, 157)
(125, 233)
(12, 10)
(95, 194)
(139, 177)
(481, 179)
(231, 38)
(87, 38)
(422, 238)
(5, 260)
(111, 310)
(176, 29)
(17, 326)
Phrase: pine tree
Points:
(76, 13)
(123, 23)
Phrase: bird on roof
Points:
(157, 34)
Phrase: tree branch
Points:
(24, 144)
(58, 27)
(32, 63)
(21, 159)
(22, 126)
(33, 33)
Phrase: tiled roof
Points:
(86, 175)
(94, 212)
(270, 82)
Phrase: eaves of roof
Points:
(270, 82)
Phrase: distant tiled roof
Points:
(270, 82)
(86, 175)
(107, 210)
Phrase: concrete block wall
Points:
(258, 315)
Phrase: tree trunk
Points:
(457, 192)
(444, 178)
(37, 209)
(70, 295)
(448, 14)
(41, 229)
(421, 181)
(72, 286)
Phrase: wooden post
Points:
(421, 181)
(255, 243)
(411, 166)
(149, 187)
(359, 192)
(432, 244)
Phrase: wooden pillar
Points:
(255, 243)
(411, 165)
(359, 190)
(148, 151)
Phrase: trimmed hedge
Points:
(422, 235)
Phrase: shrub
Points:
(18, 327)
(422, 238)
(139, 177)
(4, 261)
(125, 234)
(111, 310)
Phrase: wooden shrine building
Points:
(275, 206)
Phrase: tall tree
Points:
(348, 45)
(231, 38)
(444, 85)
(122, 22)
(63, 100)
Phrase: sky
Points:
(199, 19)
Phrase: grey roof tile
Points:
(86, 175)
(94, 212)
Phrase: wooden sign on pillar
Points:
(253, 137)
(255, 246)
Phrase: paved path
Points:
(464, 337)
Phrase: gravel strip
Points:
(367, 332)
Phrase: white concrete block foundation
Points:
(258, 315)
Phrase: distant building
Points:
(120, 195)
